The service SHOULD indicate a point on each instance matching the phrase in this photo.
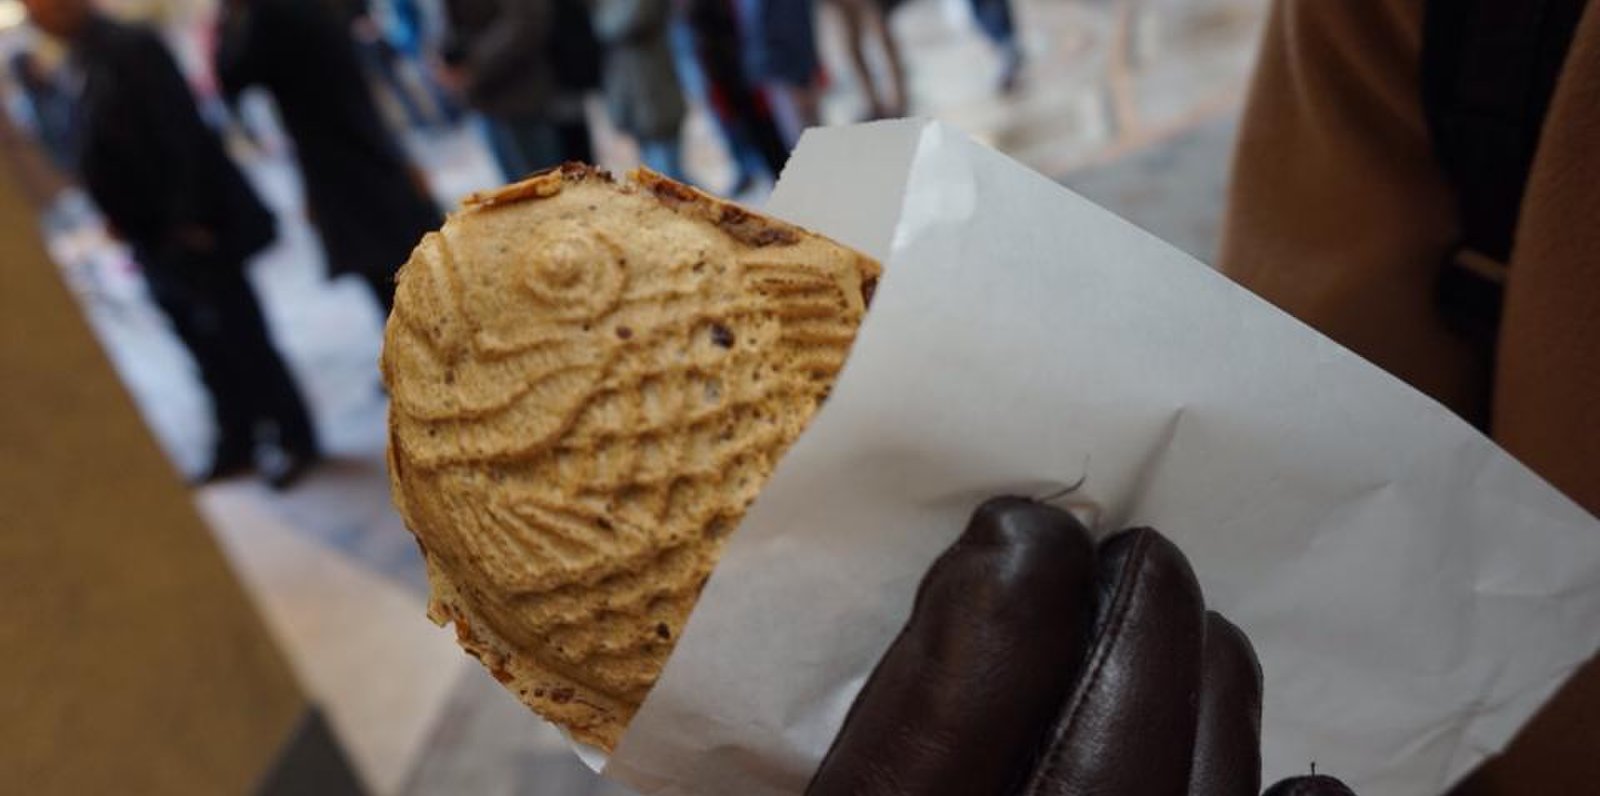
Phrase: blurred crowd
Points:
(145, 128)
(520, 69)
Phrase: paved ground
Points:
(1131, 103)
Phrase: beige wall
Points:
(130, 660)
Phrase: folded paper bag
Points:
(1414, 594)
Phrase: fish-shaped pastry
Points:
(591, 379)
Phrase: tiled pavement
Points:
(1129, 102)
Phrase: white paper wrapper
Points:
(1413, 593)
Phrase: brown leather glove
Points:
(1035, 664)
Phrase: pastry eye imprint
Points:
(592, 379)
(575, 273)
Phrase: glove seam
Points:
(1103, 646)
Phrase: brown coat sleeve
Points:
(1337, 211)
(1339, 215)
(1547, 386)
(1547, 389)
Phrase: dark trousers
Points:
(994, 17)
(748, 126)
(217, 316)
(576, 143)
(383, 286)
(522, 146)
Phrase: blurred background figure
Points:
(384, 62)
(369, 204)
(783, 57)
(994, 18)
(736, 104)
(866, 20)
(525, 65)
(642, 91)
(163, 181)
(392, 36)
(574, 54)
(45, 107)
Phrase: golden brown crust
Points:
(539, 185)
(591, 379)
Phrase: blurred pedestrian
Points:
(525, 65)
(369, 204)
(869, 19)
(640, 79)
(403, 26)
(996, 21)
(574, 56)
(46, 108)
(737, 104)
(165, 184)
(783, 56)
(384, 64)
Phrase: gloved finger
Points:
(1316, 785)
(1227, 743)
(1129, 726)
(964, 697)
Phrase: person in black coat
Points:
(736, 103)
(165, 185)
(367, 201)
(525, 66)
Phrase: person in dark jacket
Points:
(165, 184)
(783, 55)
(737, 104)
(47, 107)
(525, 65)
(642, 91)
(367, 201)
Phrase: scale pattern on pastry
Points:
(591, 379)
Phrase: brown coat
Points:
(1340, 216)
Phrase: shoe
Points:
(229, 461)
(744, 183)
(221, 471)
(283, 469)
(1010, 69)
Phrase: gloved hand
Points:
(1035, 664)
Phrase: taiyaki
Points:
(590, 380)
